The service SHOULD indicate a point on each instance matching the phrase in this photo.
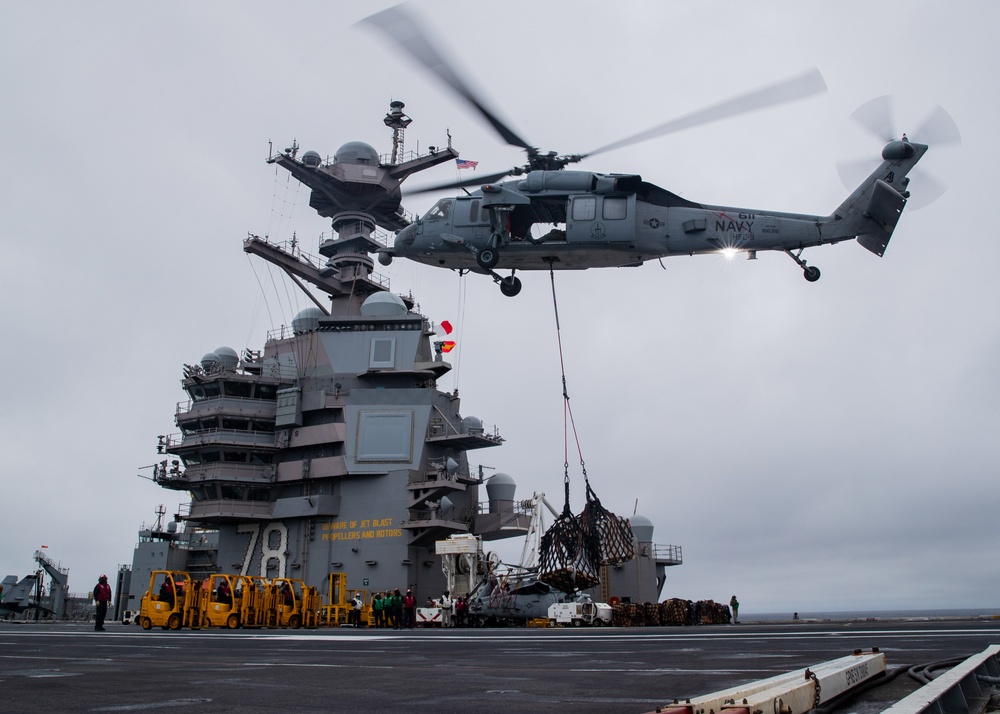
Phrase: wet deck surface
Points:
(70, 668)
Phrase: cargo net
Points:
(574, 548)
(569, 557)
(613, 533)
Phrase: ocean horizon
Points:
(873, 614)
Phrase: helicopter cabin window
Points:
(440, 211)
(470, 212)
(615, 208)
(584, 208)
(477, 215)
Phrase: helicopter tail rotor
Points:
(876, 117)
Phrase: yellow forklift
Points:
(220, 601)
(252, 592)
(338, 611)
(292, 604)
(170, 602)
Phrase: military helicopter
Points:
(598, 220)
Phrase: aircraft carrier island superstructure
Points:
(333, 450)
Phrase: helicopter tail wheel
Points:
(510, 286)
(487, 258)
(809, 272)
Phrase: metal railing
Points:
(668, 552)
(228, 471)
(227, 508)
(184, 408)
(221, 437)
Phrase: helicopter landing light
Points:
(728, 253)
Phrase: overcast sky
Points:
(827, 446)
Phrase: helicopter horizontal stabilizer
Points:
(884, 209)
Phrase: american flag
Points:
(463, 164)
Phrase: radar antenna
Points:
(397, 121)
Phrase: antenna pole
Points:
(397, 121)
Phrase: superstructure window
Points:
(238, 389)
(385, 436)
(383, 352)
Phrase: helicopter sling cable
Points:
(574, 547)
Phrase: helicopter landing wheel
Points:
(487, 258)
(510, 286)
(811, 273)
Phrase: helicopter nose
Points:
(404, 239)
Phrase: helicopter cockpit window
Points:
(584, 208)
(615, 208)
(440, 211)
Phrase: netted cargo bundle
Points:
(569, 557)
(637, 613)
(613, 533)
(709, 612)
(676, 612)
(619, 617)
(652, 612)
(628, 614)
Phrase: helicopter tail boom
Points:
(871, 212)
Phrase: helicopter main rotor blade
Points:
(788, 91)
(474, 181)
(407, 33)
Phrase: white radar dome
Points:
(307, 320)
(228, 357)
(642, 528)
(472, 425)
(210, 361)
(356, 152)
(383, 304)
(501, 487)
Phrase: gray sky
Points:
(811, 446)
